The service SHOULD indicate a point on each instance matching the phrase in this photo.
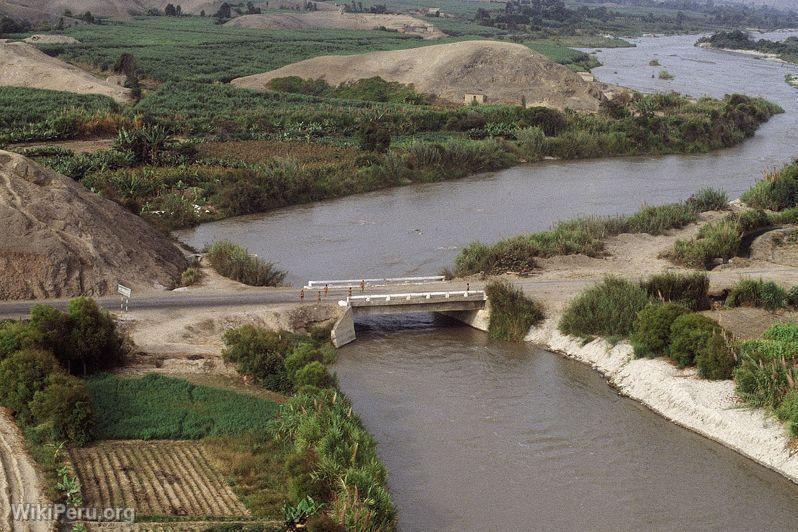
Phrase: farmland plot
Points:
(155, 478)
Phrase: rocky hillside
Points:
(502, 72)
(58, 239)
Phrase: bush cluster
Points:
(235, 262)
(333, 458)
(280, 361)
(512, 313)
(687, 289)
(768, 372)
(608, 309)
(37, 357)
(776, 191)
(582, 235)
(757, 293)
(652, 328)
(687, 338)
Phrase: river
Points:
(417, 230)
(479, 435)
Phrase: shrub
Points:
(715, 240)
(22, 375)
(757, 293)
(708, 199)
(65, 408)
(782, 332)
(260, 354)
(776, 191)
(302, 355)
(94, 343)
(374, 137)
(54, 328)
(690, 334)
(512, 312)
(314, 374)
(766, 371)
(146, 143)
(792, 296)
(531, 143)
(688, 289)
(16, 336)
(608, 309)
(788, 411)
(652, 328)
(235, 262)
(190, 276)
(715, 360)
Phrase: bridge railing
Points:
(355, 283)
(478, 295)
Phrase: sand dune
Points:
(23, 65)
(502, 72)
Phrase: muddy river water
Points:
(479, 435)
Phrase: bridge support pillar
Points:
(478, 319)
(343, 332)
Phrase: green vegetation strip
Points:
(163, 408)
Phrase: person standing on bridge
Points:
(350, 291)
(326, 289)
(302, 296)
(362, 286)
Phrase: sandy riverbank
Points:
(709, 408)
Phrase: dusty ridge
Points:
(58, 239)
(20, 482)
(503, 72)
(23, 65)
(334, 20)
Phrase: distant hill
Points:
(498, 71)
(51, 10)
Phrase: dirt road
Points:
(20, 483)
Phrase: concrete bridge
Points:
(467, 306)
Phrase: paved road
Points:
(245, 297)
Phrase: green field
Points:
(162, 408)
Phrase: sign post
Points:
(125, 294)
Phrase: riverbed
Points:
(479, 435)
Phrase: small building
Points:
(475, 98)
(586, 76)
(434, 12)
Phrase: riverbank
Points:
(709, 408)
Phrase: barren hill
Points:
(502, 72)
(23, 65)
(58, 239)
(335, 20)
(52, 10)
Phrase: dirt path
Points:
(77, 146)
(20, 481)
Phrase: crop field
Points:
(156, 407)
(156, 478)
